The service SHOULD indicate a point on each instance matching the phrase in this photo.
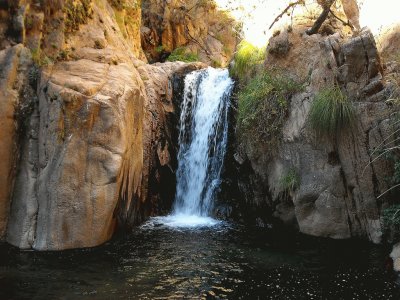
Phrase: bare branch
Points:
(293, 4)
(343, 22)
(322, 17)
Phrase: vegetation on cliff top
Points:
(247, 58)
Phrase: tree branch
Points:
(321, 19)
(343, 22)
(293, 4)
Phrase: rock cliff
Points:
(87, 125)
(196, 27)
(336, 187)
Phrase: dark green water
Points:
(226, 262)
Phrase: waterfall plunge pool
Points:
(226, 261)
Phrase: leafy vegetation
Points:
(181, 54)
(123, 4)
(391, 222)
(263, 106)
(331, 112)
(291, 181)
(389, 149)
(76, 13)
(246, 60)
(39, 58)
(159, 48)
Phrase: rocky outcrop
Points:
(196, 26)
(338, 187)
(98, 132)
(15, 63)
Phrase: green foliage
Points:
(246, 59)
(63, 55)
(76, 13)
(123, 4)
(331, 112)
(263, 106)
(391, 221)
(39, 58)
(159, 48)
(181, 54)
(291, 181)
(216, 63)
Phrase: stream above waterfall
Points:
(226, 261)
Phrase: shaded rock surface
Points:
(15, 63)
(338, 187)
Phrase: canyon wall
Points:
(88, 126)
(336, 190)
(196, 27)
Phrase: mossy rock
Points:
(76, 12)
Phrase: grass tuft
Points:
(331, 112)
(291, 181)
(247, 58)
(181, 54)
(263, 106)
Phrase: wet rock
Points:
(14, 89)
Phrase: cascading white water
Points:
(202, 140)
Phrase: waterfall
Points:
(202, 145)
(202, 140)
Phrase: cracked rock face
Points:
(337, 194)
(98, 133)
(197, 26)
(15, 63)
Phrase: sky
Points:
(257, 15)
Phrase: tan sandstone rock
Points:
(90, 145)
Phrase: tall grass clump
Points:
(263, 106)
(290, 181)
(181, 54)
(246, 60)
(331, 112)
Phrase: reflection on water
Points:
(223, 261)
(181, 221)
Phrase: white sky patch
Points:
(379, 14)
(258, 15)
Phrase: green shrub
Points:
(391, 222)
(331, 112)
(160, 49)
(263, 106)
(247, 58)
(291, 181)
(181, 54)
(76, 13)
(39, 58)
